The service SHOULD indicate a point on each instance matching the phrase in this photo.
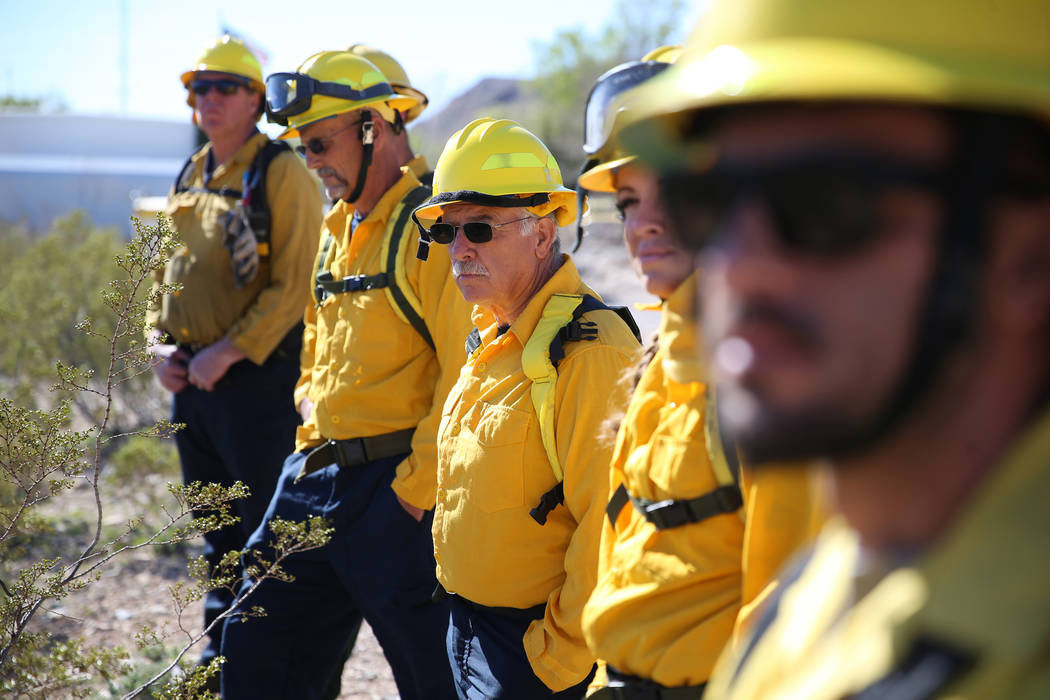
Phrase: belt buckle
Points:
(621, 690)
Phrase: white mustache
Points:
(326, 171)
(468, 267)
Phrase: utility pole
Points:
(124, 61)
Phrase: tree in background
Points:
(568, 64)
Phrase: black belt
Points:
(623, 686)
(289, 347)
(536, 612)
(358, 452)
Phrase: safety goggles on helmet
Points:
(288, 94)
(475, 231)
(225, 86)
(821, 204)
(597, 119)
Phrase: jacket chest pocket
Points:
(490, 455)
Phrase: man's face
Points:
(338, 163)
(498, 275)
(658, 258)
(219, 115)
(808, 349)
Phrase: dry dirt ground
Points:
(133, 592)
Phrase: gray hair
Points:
(531, 227)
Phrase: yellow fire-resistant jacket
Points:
(785, 507)
(666, 600)
(970, 618)
(210, 306)
(365, 368)
(492, 469)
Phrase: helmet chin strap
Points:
(949, 314)
(581, 195)
(367, 141)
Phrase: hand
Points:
(169, 366)
(416, 513)
(210, 364)
(306, 407)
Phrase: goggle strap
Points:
(581, 194)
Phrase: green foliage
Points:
(47, 553)
(568, 64)
(11, 103)
(56, 301)
(139, 457)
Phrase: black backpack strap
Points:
(577, 329)
(320, 273)
(619, 499)
(412, 200)
(669, 514)
(253, 186)
(182, 183)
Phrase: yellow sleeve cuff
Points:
(413, 487)
(554, 675)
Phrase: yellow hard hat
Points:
(497, 163)
(607, 104)
(497, 159)
(230, 56)
(992, 56)
(327, 84)
(395, 73)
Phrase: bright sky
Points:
(72, 51)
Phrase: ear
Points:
(380, 130)
(259, 102)
(1019, 273)
(546, 233)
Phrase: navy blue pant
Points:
(240, 431)
(487, 655)
(379, 565)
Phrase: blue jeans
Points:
(240, 431)
(487, 654)
(379, 565)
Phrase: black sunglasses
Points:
(319, 145)
(225, 86)
(475, 231)
(823, 204)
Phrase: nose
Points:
(747, 252)
(461, 248)
(645, 219)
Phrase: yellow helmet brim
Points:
(811, 69)
(600, 177)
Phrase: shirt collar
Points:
(410, 174)
(679, 335)
(242, 156)
(566, 280)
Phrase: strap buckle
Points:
(357, 283)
